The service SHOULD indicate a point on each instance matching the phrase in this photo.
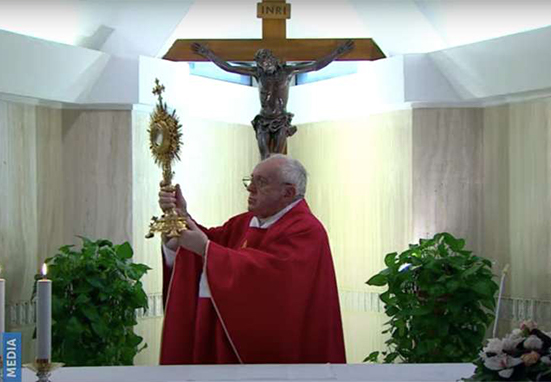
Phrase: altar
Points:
(325, 372)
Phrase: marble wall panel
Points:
(18, 198)
(97, 175)
(447, 174)
(49, 182)
(530, 198)
(496, 196)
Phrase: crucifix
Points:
(274, 38)
(273, 124)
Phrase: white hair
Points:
(293, 172)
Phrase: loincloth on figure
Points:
(274, 125)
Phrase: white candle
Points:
(44, 318)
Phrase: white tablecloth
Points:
(272, 373)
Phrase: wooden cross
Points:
(274, 14)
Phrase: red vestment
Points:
(273, 290)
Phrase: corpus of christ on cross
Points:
(273, 124)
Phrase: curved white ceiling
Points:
(148, 27)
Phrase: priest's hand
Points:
(172, 199)
(171, 242)
(193, 239)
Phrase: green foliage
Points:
(95, 294)
(440, 301)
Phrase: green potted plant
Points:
(95, 294)
(440, 300)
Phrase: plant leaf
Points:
(377, 280)
(124, 251)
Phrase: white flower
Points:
(510, 343)
(502, 363)
(546, 360)
(506, 373)
(528, 325)
(533, 343)
(495, 345)
(517, 333)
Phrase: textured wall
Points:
(49, 181)
(496, 198)
(447, 174)
(18, 220)
(97, 175)
(517, 194)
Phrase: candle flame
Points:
(44, 270)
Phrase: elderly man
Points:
(259, 289)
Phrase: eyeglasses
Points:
(258, 182)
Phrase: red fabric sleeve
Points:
(216, 235)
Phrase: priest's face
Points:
(268, 194)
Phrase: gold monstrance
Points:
(165, 140)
